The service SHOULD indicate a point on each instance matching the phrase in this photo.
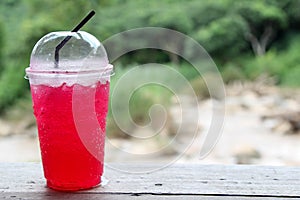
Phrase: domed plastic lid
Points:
(68, 57)
(81, 52)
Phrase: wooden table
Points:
(25, 181)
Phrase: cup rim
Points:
(107, 69)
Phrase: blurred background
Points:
(255, 45)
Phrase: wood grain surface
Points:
(178, 181)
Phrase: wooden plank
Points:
(209, 181)
(92, 196)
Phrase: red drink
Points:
(70, 91)
(72, 158)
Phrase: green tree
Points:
(223, 36)
(1, 45)
(256, 22)
(264, 19)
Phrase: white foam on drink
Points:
(85, 76)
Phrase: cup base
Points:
(72, 186)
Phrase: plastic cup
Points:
(70, 104)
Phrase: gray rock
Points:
(5, 128)
(246, 154)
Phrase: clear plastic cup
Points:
(70, 103)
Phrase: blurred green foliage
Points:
(284, 65)
(2, 35)
(246, 38)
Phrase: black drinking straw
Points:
(64, 41)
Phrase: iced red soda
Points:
(70, 104)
